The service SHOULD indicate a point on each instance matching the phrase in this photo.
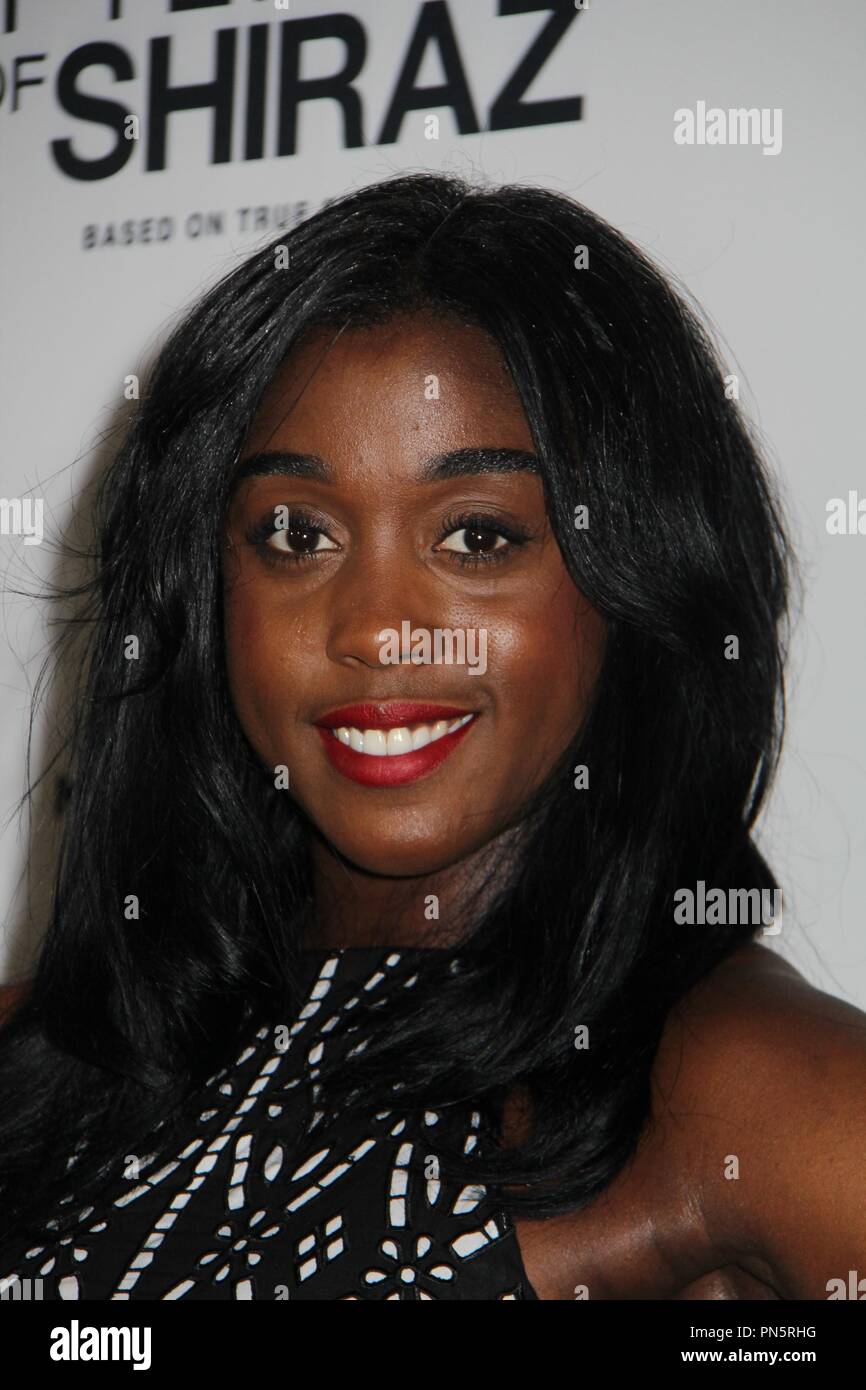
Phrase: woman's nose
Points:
(367, 609)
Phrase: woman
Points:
(437, 645)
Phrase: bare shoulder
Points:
(747, 1180)
(757, 1020)
(756, 1002)
(761, 1079)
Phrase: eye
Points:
(295, 537)
(476, 540)
(284, 536)
(301, 537)
(480, 540)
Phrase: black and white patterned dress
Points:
(269, 1199)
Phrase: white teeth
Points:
(381, 743)
(398, 741)
(375, 742)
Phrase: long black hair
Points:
(681, 548)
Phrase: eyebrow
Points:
(457, 464)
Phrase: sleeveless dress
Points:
(267, 1199)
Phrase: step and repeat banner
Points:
(147, 146)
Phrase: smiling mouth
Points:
(393, 743)
(383, 745)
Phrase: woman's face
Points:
(379, 469)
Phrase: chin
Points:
(392, 859)
(390, 850)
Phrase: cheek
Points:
(256, 657)
(550, 659)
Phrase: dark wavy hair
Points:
(625, 397)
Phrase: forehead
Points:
(436, 379)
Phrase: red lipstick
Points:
(393, 714)
(390, 770)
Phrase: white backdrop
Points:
(769, 244)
